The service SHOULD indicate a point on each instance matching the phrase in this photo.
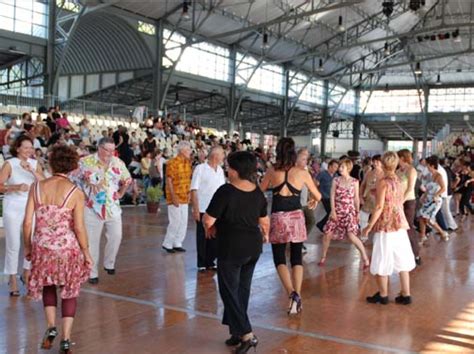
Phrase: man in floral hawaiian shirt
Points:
(104, 179)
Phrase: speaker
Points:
(335, 133)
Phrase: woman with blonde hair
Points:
(344, 218)
(392, 251)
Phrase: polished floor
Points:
(158, 303)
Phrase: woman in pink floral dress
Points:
(59, 249)
(344, 220)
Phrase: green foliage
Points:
(154, 194)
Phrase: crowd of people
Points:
(63, 188)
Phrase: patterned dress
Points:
(345, 210)
(430, 207)
(57, 258)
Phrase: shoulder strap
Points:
(68, 196)
(36, 194)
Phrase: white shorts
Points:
(392, 253)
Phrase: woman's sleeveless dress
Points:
(57, 258)
(345, 210)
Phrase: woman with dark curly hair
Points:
(287, 224)
(59, 251)
(16, 176)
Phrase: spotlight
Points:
(177, 102)
(457, 36)
(393, 118)
(185, 14)
(341, 27)
(418, 70)
(466, 117)
(387, 8)
(386, 50)
(387, 88)
(320, 67)
(265, 40)
(415, 5)
(438, 80)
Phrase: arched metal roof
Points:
(104, 42)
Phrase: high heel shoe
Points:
(445, 236)
(233, 341)
(65, 347)
(296, 304)
(48, 338)
(322, 262)
(246, 345)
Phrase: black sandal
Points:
(48, 338)
(65, 347)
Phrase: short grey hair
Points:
(215, 149)
(183, 145)
(106, 140)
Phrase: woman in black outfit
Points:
(237, 214)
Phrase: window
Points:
(203, 59)
(451, 100)
(68, 5)
(25, 79)
(146, 28)
(394, 101)
(313, 92)
(24, 16)
(267, 77)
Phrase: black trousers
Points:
(235, 280)
(465, 203)
(206, 249)
(409, 208)
(327, 206)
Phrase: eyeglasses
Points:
(109, 151)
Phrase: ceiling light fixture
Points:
(438, 80)
(386, 49)
(387, 88)
(418, 70)
(177, 102)
(341, 27)
(320, 67)
(185, 14)
(387, 8)
(457, 36)
(265, 40)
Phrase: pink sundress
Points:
(57, 258)
(347, 218)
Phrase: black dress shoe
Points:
(93, 281)
(179, 249)
(169, 250)
(403, 300)
(233, 341)
(246, 345)
(418, 261)
(110, 271)
(376, 298)
(212, 267)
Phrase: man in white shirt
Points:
(207, 178)
(445, 210)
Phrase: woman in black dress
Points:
(237, 215)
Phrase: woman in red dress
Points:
(59, 251)
(344, 220)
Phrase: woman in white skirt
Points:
(392, 251)
(16, 176)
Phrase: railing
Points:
(70, 105)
